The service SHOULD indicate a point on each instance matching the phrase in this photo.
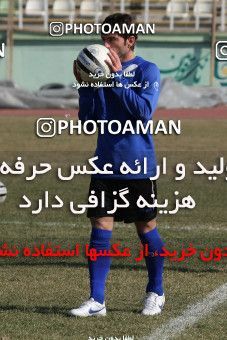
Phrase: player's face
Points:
(117, 43)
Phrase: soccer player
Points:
(123, 103)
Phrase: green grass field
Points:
(36, 293)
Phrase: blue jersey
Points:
(124, 103)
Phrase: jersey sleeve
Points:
(86, 104)
(141, 104)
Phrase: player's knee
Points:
(105, 223)
(144, 226)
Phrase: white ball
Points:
(92, 60)
(3, 192)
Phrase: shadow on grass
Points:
(37, 309)
(53, 310)
(138, 267)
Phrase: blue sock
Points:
(98, 270)
(154, 264)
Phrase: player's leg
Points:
(148, 234)
(101, 234)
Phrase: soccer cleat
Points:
(153, 304)
(89, 308)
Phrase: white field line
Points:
(116, 224)
(191, 315)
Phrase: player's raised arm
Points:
(86, 98)
(143, 103)
(86, 104)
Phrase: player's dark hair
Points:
(120, 19)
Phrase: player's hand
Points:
(76, 72)
(115, 64)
